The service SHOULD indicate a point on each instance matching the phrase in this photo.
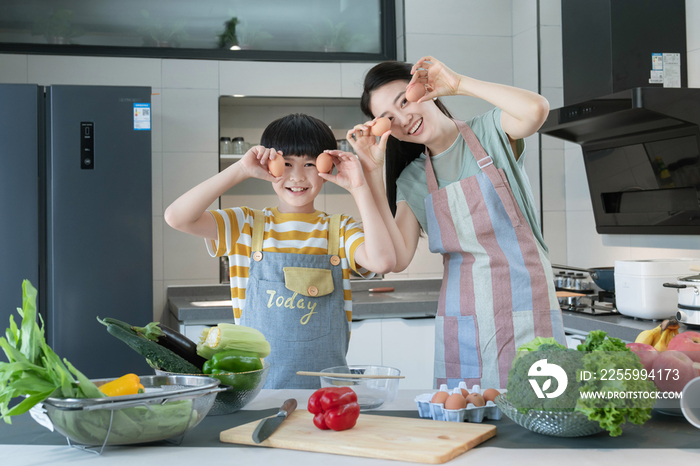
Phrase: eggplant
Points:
(174, 341)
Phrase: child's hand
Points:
(370, 152)
(436, 77)
(349, 170)
(255, 162)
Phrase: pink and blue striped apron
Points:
(497, 289)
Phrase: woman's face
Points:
(410, 121)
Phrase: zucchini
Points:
(161, 357)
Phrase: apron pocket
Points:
(289, 315)
(309, 281)
(457, 354)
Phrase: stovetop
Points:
(595, 304)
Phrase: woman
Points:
(464, 184)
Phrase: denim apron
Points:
(297, 302)
(497, 289)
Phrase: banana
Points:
(649, 337)
(662, 344)
(670, 329)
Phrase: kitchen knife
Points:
(268, 426)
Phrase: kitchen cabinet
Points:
(406, 344)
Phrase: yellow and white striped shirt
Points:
(288, 233)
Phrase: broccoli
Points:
(524, 398)
(600, 355)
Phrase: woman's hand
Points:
(349, 170)
(437, 78)
(254, 162)
(370, 152)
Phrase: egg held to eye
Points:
(276, 166)
(381, 126)
(440, 397)
(490, 394)
(414, 92)
(324, 163)
(455, 401)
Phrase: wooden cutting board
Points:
(394, 438)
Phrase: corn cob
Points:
(229, 336)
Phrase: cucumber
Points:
(161, 357)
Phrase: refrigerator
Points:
(76, 216)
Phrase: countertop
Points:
(411, 298)
(663, 438)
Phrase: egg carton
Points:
(471, 413)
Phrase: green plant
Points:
(58, 28)
(228, 38)
(156, 33)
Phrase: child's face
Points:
(298, 187)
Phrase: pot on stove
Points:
(688, 299)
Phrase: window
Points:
(286, 30)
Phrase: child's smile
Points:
(299, 185)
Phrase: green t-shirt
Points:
(458, 162)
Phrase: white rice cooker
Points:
(640, 291)
(688, 299)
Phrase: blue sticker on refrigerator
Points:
(142, 117)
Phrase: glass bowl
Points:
(554, 423)
(243, 387)
(371, 393)
(170, 407)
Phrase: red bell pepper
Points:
(334, 408)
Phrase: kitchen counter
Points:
(411, 299)
(663, 438)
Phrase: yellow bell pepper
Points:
(125, 385)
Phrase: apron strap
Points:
(483, 160)
(258, 230)
(334, 235)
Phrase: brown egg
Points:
(490, 394)
(276, 165)
(324, 162)
(381, 126)
(475, 399)
(439, 397)
(465, 393)
(455, 401)
(414, 92)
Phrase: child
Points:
(296, 288)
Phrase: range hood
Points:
(640, 140)
(625, 114)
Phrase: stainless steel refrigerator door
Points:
(20, 152)
(99, 226)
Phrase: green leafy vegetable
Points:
(598, 340)
(33, 370)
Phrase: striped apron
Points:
(297, 302)
(497, 289)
